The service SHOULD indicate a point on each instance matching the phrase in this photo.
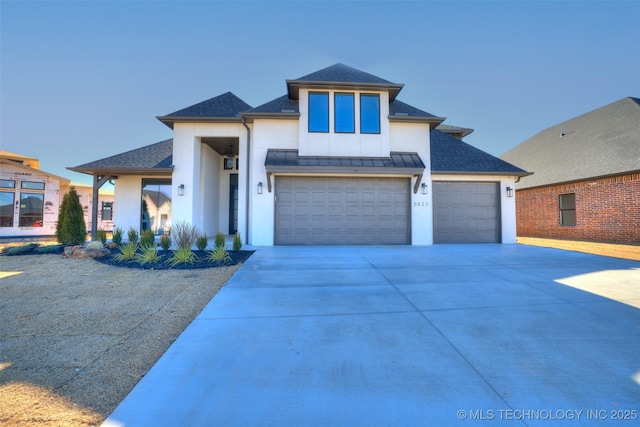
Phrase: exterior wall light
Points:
(260, 188)
(509, 192)
(425, 188)
(181, 190)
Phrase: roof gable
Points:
(603, 142)
(451, 155)
(220, 108)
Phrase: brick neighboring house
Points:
(586, 177)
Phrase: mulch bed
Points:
(162, 264)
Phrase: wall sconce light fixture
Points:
(509, 192)
(425, 188)
(260, 188)
(181, 190)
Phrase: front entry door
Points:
(233, 203)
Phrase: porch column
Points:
(98, 181)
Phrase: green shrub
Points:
(219, 253)
(101, 235)
(49, 249)
(20, 250)
(184, 234)
(165, 242)
(219, 239)
(132, 235)
(127, 252)
(148, 254)
(117, 236)
(182, 255)
(71, 229)
(202, 242)
(147, 238)
(237, 242)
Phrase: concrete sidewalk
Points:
(389, 336)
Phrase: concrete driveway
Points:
(405, 336)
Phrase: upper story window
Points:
(345, 121)
(568, 209)
(369, 113)
(318, 112)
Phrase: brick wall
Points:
(607, 209)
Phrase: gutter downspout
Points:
(246, 221)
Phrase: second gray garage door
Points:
(342, 211)
(466, 212)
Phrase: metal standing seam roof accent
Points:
(290, 160)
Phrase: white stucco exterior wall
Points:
(127, 202)
(507, 204)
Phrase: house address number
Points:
(420, 204)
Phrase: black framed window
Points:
(344, 113)
(567, 204)
(318, 112)
(369, 113)
(7, 183)
(6, 208)
(31, 209)
(156, 205)
(30, 185)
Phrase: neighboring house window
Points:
(107, 211)
(6, 208)
(345, 121)
(568, 209)
(156, 205)
(31, 204)
(318, 112)
(369, 113)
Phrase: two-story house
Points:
(336, 160)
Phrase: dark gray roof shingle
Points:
(225, 106)
(399, 108)
(343, 74)
(449, 154)
(158, 156)
(279, 105)
(602, 142)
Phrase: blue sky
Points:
(83, 80)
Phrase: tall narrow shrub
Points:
(71, 229)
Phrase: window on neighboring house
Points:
(345, 121)
(107, 211)
(30, 185)
(568, 209)
(318, 112)
(6, 208)
(7, 183)
(31, 209)
(369, 113)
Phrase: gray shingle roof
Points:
(223, 107)
(399, 108)
(341, 73)
(342, 76)
(279, 105)
(449, 154)
(156, 157)
(603, 142)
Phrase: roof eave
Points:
(432, 121)
(122, 171)
(293, 87)
(591, 178)
(170, 120)
(250, 117)
(504, 173)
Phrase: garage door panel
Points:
(466, 212)
(349, 210)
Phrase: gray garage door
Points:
(342, 211)
(466, 212)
